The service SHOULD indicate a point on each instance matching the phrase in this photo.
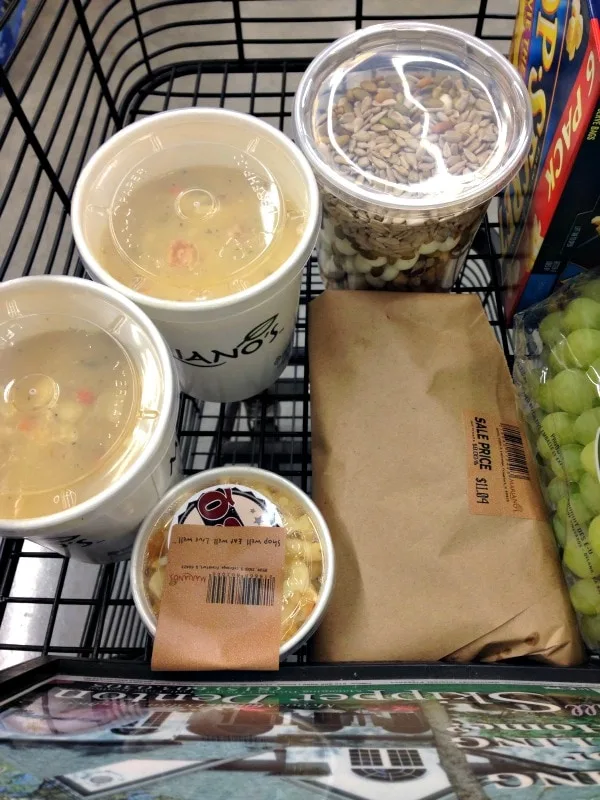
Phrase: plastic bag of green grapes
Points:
(557, 373)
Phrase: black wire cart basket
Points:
(78, 71)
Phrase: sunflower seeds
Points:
(453, 136)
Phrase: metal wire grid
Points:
(82, 610)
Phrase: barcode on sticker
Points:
(515, 451)
(240, 590)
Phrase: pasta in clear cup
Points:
(275, 502)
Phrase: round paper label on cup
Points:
(234, 580)
(228, 505)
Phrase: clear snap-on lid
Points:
(204, 228)
(193, 207)
(413, 116)
(81, 390)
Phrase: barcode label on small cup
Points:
(515, 451)
(240, 590)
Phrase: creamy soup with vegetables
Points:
(303, 570)
(200, 233)
(67, 403)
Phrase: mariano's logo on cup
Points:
(266, 332)
(229, 505)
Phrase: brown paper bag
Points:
(396, 384)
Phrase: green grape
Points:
(572, 391)
(561, 509)
(545, 474)
(585, 596)
(545, 397)
(533, 379)
(592, 290)
(556, 489)
(583, 346)
(559, 426)
(593, 372)
(543, 448)
(579, 509)
(581, 313)
(573, 506)
(550, 328)
(586, 425)
(567, 462)
(532, 421)
(590, 628)
(594, 534)
(589, 489)
(560, 531)
(588, 458)
(560, 357)
(579, 558)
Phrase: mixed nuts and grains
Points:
(407, 136)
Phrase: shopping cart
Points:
(80, 71)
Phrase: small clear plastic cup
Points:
(88, 405)
(279, 503)
(205, 218)
(410, 128)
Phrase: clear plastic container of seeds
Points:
(411, 129)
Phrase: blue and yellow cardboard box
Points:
(550, 213)
(11, 16)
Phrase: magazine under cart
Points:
(86, 729)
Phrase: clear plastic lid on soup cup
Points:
(197, 206)
(83, 395)
(413, 119)
(252, 497)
